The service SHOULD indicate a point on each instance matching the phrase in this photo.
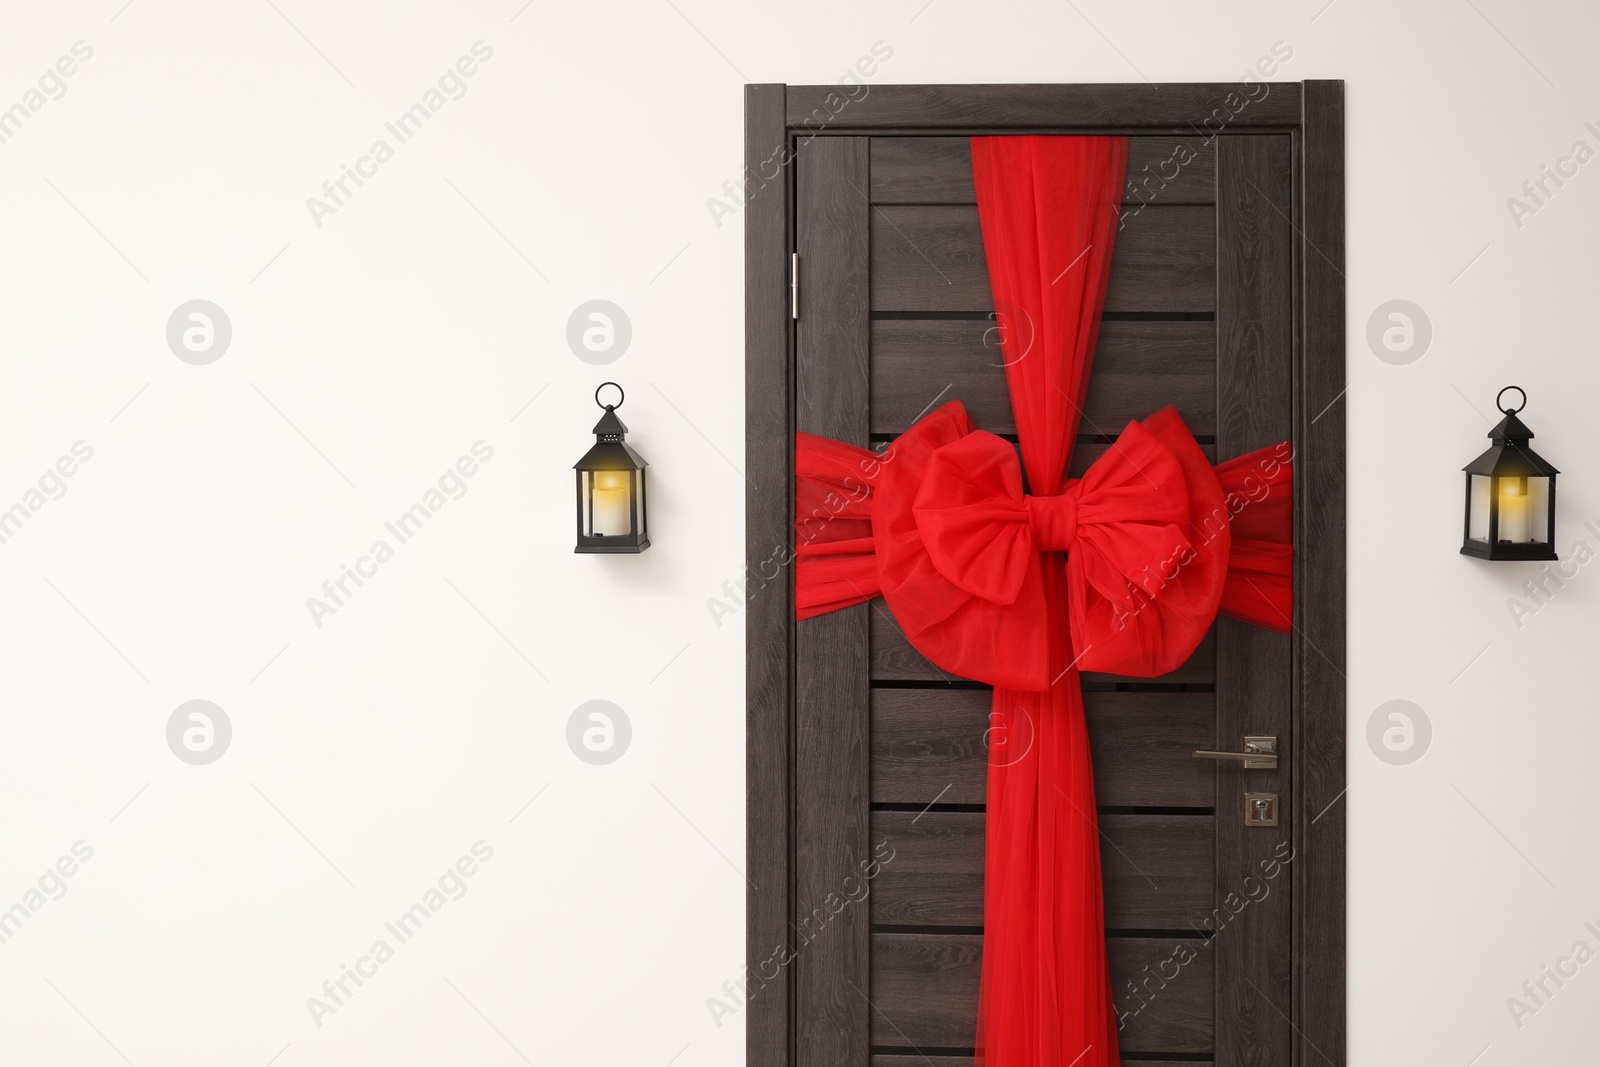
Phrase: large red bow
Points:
(958, 543)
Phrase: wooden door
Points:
(886, 752)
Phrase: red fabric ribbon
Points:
(1120, 571)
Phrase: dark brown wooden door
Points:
(889, 751)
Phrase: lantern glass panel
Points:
(585, 498)
(1511, 499)
(643, 521)
(1478, 503)
(610, 503)
(1525, 510)
(1539, 510)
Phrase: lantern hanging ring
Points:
(1497, 397)
(621, 396)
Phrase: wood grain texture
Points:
(831, 654)
(1255, 693)
(1139, 367)
(1158, 870)
(769, 395)
(894, 660)
(930, 743)
(1320, 596)
(925, 990)
(1116, 107)
(938, 170)
(930, 258)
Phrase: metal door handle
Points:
(1259, 753)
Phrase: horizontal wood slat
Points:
(930, 258)
(938, 170)
(1158, 869)
(894, 660)
(1139, 367)
(928, 744)
(1082, 457)
(925, 991)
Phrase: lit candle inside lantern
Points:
(612, 508)
(1513, 511)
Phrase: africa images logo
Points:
(452, 485)
(451, 85)
(451, 885)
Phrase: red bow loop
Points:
(1145, 584)
(1133, 516)
(974, 518)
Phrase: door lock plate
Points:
(1261, 809)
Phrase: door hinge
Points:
(794, 285)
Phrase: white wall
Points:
(371, 351)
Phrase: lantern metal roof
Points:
(611, 451)
(1510, 456)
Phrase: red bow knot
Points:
(1054, 519)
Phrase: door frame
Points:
(777, 118)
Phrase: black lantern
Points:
(611, 511)
(1511, 494)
